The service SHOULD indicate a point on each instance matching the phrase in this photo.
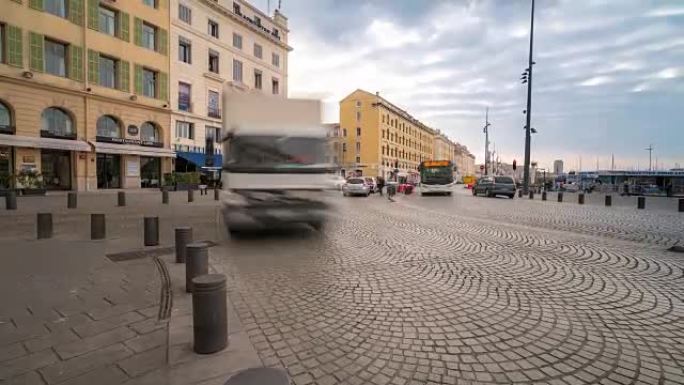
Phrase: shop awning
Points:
(38, 142)
(198, 158)
(130, 149)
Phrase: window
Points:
(108, 126)
(358, 147)
(358, 104)
(213, 29)
(236, 8)
(55, 58)
(3, 58)
(276, 86)
(212, 132)
(275, 59)
(257, 79)
(213, 105)
(108, 72)
(149, 83)
(344, 132)
(358, 131)
(56, 122)
(237, 41)
(258, 51)
(184, 50)
(107, 21)
(358, 115)
(185, 13)
(55, 7)
(150, 3)
(184, 92)
(257, 20)
(149, 133)
(185, 130)
(237, 71)
(344, 147)
(213, 61)
(5, 118)
(149, 36)
(358, 159)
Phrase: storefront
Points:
(56, 169)
(129, 163)
(150, 172)
(6, 167)
(108, 171)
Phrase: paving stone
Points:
(49, 340)
(90, 329)
(109, 375)
(11, 351)
(148, 341)
(23, 364)
(89, 344)
(141, 363)
(30, 378)
(69, 369)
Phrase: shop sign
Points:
(28, 159)
(133, 130)
(133, 168)
(146, 143)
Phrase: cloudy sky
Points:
(609, 77)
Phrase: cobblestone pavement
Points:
(465, 290)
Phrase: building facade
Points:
(334, 151)
(464, 160)
(558, 167)
(444, 148)
(378, 137)
(84, 93)
(215, 43)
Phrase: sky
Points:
(608, 79)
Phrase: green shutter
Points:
(124, 26)
(36, 41)
(94, 14)
(76, 11)
(162, 48)
(76, 62)
(138, 32)
(93, 67)
(138, 81)
(17, 1)
(123, 75)
(163, 86)
(36, 4)
(15, 50)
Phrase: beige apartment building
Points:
(464, 160)
(215, 43)
(84, 93)
(379, 137)
(334, 138)
(444, 148)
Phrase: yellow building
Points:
(379, 136)
(84, 92)
(444, 148)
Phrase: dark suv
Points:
(493, 186)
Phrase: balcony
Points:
(214, 113)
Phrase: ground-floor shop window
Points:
(108, 171)
(5, 167)
(55, 165)
(150, 171)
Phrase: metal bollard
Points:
(121, 198)
(531, 194)
(271, 376)
(44, 226)
(609, 200)
(11, 200)
(560, 196)
(580, 198)
(216, 194)
(151, 231)
(209, 313)
(183, 238)
(543, 195)
(681, 205)
(98, 229)
(72, 200)
(165, 196)
(191, 194)
(641, 203)
(520, 192)
(196, 262)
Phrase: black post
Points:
(11, 200)
(531, 194)
(196, 262)
(609, 200)
(72, 200)
(209, 313)
(216, 194)
(151, 231)
(681, 205)
(121, 198)
(183, 238)
(560, 196)
(44, 226)
(528, 111)
(543, 195)
(165, 196)
(191, 194)
(520, 192)
(98, 228)
(641, 203)
(580, 198)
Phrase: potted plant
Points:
(30, 182)
(187, 180)
(169, 181)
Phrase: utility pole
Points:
(650, 154)
(528, 127)
(612, 162)
(486, 132)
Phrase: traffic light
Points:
(515, 165)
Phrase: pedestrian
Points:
(381, 184)
(668, 189)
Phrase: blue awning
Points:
(198, 158)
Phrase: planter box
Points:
(186, 186)
(33, 191)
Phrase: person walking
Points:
(381, 184)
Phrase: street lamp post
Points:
(486, 132)
(528, 127)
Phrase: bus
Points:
(436, 177)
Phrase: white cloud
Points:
(385, 34)
(596, 81)
(666, 12)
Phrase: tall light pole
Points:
(528, 127)
(650, 154)
(486, 131)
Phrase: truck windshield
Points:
(436, 175)
(274, 152)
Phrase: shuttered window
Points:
(36, 52)
(14, 46)
(123, 75)
(75, 62)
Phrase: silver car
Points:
(493, 186)
(356, 186)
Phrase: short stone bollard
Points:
(44, 226)
(72, 200)
(11, 200)
(183, 238)
(641, 203)
(560, 196)
(98, 229)
(165, 196)
(216, 194)
(151, 231)
(121, 198)
(580, 198)
(531, 194)
(191, 195)
(196, 262)
(609, 200)
(520, 192)
(251, 376)
(681, 205)
(209, 313)
(543, 195)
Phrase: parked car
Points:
(493, 186)
(370, 181)
(355, 186)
